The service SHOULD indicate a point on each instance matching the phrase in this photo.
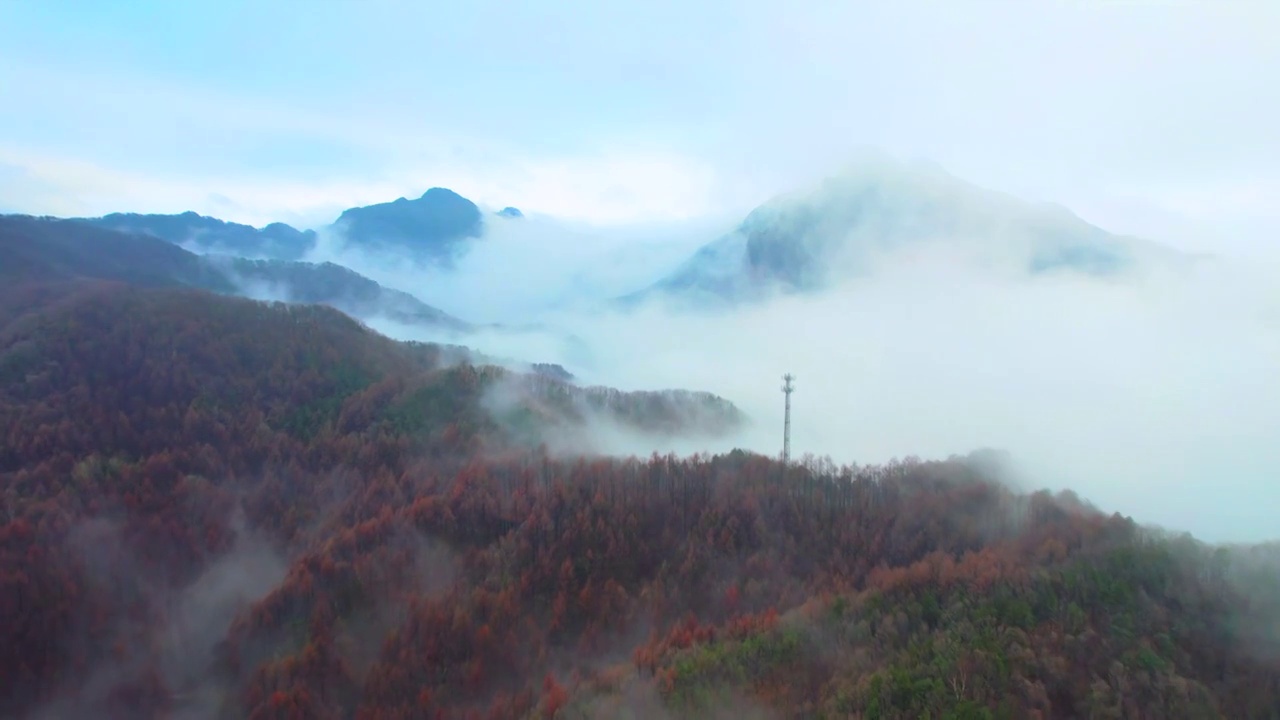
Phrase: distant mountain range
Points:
(43, 249)
(435, 228)
(808, 240)
(208, 234)
(329, 284)
(800, 242)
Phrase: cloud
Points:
(611, 188)
(1239, 217)
(615, 186)
(1153, 394)
(523, 268)
(64, 186)
(258, 159)
(650, 110)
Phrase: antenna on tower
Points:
(787, 389)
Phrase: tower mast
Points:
(787, 389)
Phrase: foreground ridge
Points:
(224, 508)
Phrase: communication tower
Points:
(787, 389)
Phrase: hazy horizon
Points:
(641, 112)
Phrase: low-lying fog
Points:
(1156, 393)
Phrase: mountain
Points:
(435, 226)
(42, 249)
(207, 234)
(306, 349)
(50, 249)
(808, 240)
(218, 507)
(328, 284)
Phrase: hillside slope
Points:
(215, 507)
(277, 240)
(298, 366)
(434, 228)
(42, 249)
(33, 249)
(329, 284)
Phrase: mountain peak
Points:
(442, 193)
(806, 239)
(434, 225)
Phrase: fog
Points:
(1156, 397)
(525, 266)
(1153, 393)
(189, 621)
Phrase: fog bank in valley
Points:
(1153, 393)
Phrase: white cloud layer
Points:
(524, 267)
(1154, 394)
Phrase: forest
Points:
(213, 507)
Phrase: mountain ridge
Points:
(330, 284)
(275, 240)
(809, 239)
(433, 228)
(52, 249)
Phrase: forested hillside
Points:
(433, 228)
(329, 284)
(276, 240)
(215, 507)
(45, 249)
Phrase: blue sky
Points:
(1154, 117)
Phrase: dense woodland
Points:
(215, 507)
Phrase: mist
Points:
(1153, 393)
(524, 267)
(188, 621)
(204, 611)
(1154, 396)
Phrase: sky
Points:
(631, 132)
(1146, 117)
